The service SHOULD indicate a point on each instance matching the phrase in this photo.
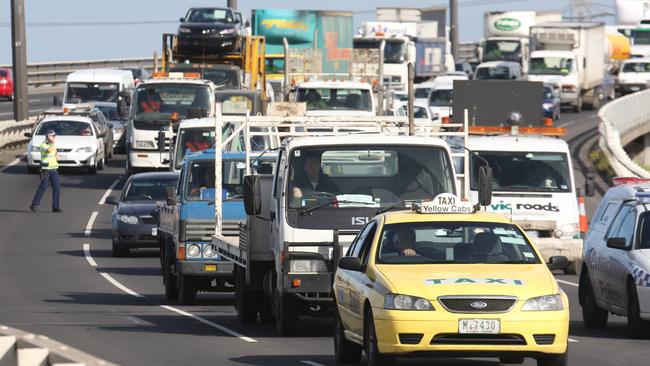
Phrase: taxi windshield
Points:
(454, 242)
(380, 176)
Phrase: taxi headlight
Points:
(307, 265)
(210, 251)
(406, 302)
(128, 219)
(544, 303)
(193, 250)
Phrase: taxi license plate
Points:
(210, 267)
(154, 231)
(479, 326)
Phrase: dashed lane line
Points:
(567, 283)
(311, 363)
(209, 323)
(119, 285)
(89, 258)
(15, 162)
(91, 221)
(108, 191)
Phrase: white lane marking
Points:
(108, 191)
(139, 321)
(567, 283)
(312, 363)
(119, 285)
(89, 257)
(573, 340)
(91, 221)
(566, 124)
(15, 162)
(209, 323)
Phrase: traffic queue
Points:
(340, 202)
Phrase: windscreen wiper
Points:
(307, 211)
(400, 204)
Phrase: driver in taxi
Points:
(311, 178)
(404, 242)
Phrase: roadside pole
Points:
(19, 59)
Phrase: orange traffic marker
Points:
(583, 215)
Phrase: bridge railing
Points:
(12, 132)
(55, 73)
(622, 121)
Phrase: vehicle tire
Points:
(245, 300)
(169, 279)
(286, 317)
(577, 108)
(32, 169)
(373, 357)
(593, 317)
(344, 350)
(186, 290)
(561, 359)
(117, 251)
(598, 97)
(92, 168)
(100, 164)
(636, 327)
(511, 360)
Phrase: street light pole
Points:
(453, 28)
(19, 59)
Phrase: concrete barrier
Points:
(12, 132)
(18, 348)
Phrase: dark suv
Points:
(210, 32)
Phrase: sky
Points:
(56, 41)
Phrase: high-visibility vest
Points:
(48, 159)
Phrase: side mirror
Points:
(111, 200)
(27, 134)
(590, 185)
(56, 101)
(252, 195)
(171, 195)
(247, 24)
(101, 135)
(161, 141)
(485, 185)
(351, 264)
(617, 243)
(558, 262)
(181, 19)
(122, 109)
(110, 125)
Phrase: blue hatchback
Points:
(551, 103)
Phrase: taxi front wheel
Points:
(344, 350)
(373, 356)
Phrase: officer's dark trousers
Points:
(51, 176)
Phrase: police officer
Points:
(49, 172)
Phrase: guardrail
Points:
(12, 132)
(54, 73)
(622, 121)
(22, 349)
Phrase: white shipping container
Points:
(631, 12)
(427, 30)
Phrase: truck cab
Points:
(337, 98)
(186, 223)
(159, 105)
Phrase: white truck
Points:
(324, 189)
(631, 20)
(571, 55)
(506, 34)
(158, 106)
(337, 98)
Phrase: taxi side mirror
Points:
(558, 262)
(351, 264)
(484, 185)
(252, 195)
(617, 243)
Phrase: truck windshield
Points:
(641, 37)
(422, 92)
(636, 67)
(199, 185)
(92, 92)
(454, 242)
(223, 78)
(496, 50)
(155, 103)
(382, 176)
(192, 140)
(551, 66)
(441, 97)
(394, 51)
(524, 171)
(335, 99)
(493, 73)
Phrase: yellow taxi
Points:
(443, 280)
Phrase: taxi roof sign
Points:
(444, 203)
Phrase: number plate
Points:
(635, 88)
(61, 157)
(154, 231)
(479, 326)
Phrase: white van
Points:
(498, 70)
(97, 85)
